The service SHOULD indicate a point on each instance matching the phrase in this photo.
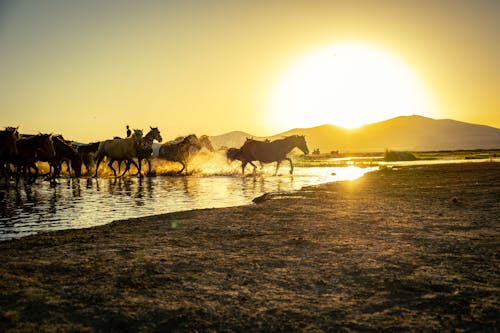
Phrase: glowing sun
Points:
(347, 85)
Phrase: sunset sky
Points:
(88, 68)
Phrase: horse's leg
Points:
(99, 160)
(19, 170)
(291, 165)
(243, 165)
(127, 168)
(55, 171)
(110, 164)
(119, 166)
(149, 167)
(277, 167)
(139, 163)
(68, 167)
(131, 161)
(137, 166)
(36, 171)
(254, 167)
(183, 167)
(58, 169)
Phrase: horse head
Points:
(193, 141)
(205, 142)
(154, 133)
(8, 144)
(233, 154)
(46, 144)
(13, 130)
(300, 142)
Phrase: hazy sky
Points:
(87, 68)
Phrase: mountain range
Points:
(408, 133)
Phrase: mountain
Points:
(413, 133)
(231, 139)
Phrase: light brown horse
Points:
(180, 151)
(268, 152)
(119, 150)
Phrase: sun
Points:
(347, 85)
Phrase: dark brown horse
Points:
(145, 149)
(65, 153)
(268, 152)
(87, 154)
(233, 154)
(8, 150)
(29, 150)
(179, 151)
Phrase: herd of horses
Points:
(20, 153)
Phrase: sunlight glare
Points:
(347, 85)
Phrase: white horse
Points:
(119, 150)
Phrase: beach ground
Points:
(401, 249)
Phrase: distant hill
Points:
(413, 133)
(231, 139)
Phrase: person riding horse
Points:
(119, 150)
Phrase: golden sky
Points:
(88, 68)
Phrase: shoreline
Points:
(408, 249)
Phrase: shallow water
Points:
(87, 202)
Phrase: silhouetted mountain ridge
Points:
(413, 133)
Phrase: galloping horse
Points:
(267, 152)
(30, 149)
(145, 149)
(8, 149)
(179, 151)
(205, 142)
(119, 150)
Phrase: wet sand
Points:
(411, 249)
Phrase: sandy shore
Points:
(398, 250)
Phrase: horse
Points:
(119, 150)
(233, 154)
(65, 153)
(30, 148)
(268, 152)
(8, 149)
(145, 148)
(179, 151)
(87, 153)
(205, 143)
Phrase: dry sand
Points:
(413, 249)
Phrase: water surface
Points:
(87, 202)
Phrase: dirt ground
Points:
(407, 249)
